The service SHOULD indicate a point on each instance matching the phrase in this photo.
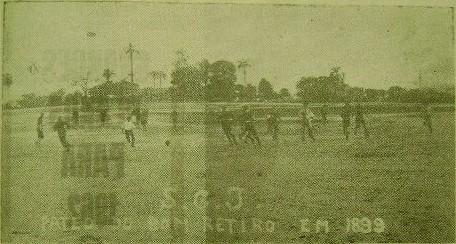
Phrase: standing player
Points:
(272, 121)
(75, 116)
(226, 120)
(323, 112)
(359, 119)
(346, 114)
(39, 128)
(103, 115)
(174, 119)
(249, 130)
(137, 113)
(144, 117)
(61, 127)
(306, 122)
(127, 128)
(426, 114)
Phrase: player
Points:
(359, 119)
(61, 127)
(272, 121)
(226, 120)
(174, 119)
(75, 116)
(137, 115)
(127, 128)
(247, 123)
(103, 115)
(346, 114)
(426, 115)
(144, 118)
(39, 128)
(306, 122)
(323, 112)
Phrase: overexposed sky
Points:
(376, 46)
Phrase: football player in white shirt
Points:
(127, 128)
(306, 122)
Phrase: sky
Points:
(375, 46)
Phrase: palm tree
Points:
(82, 81)
(107, 73)
(243, 65)
(157, 75)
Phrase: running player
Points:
(127, 128)
(247, 123)
(306, 122)
(61, 127)
(226, 120)
(426, 114)
(359, 119)
(272, 121)
(39, 128)
(346, 114)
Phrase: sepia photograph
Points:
(180, 122)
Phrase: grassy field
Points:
(401, 176)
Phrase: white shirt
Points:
(128, 125)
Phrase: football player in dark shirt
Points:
(346, 114)
(39, 128)
(359, 119)
(75, 116)
(272, 121)
(61, 127)
(306, 116)
(226, 120)
(248, 126)
(323, 112)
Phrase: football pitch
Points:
(395, 186)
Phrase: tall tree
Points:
(131, 51)
(186, 84)
(182, 59)
(284, 93)
(107, 73)
(243, 65)
(265, 90)
(323, 88)
(158, 75)
(222, 76)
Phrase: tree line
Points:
(218, 82)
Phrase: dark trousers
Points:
(40, 133)
(251, 133)
(273, 129)
(361, 123)
(63, 140)
(228, 133)
(345, 125)
(130, 137)
(427, 122)
(306, 126)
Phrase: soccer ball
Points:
(167, 142)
